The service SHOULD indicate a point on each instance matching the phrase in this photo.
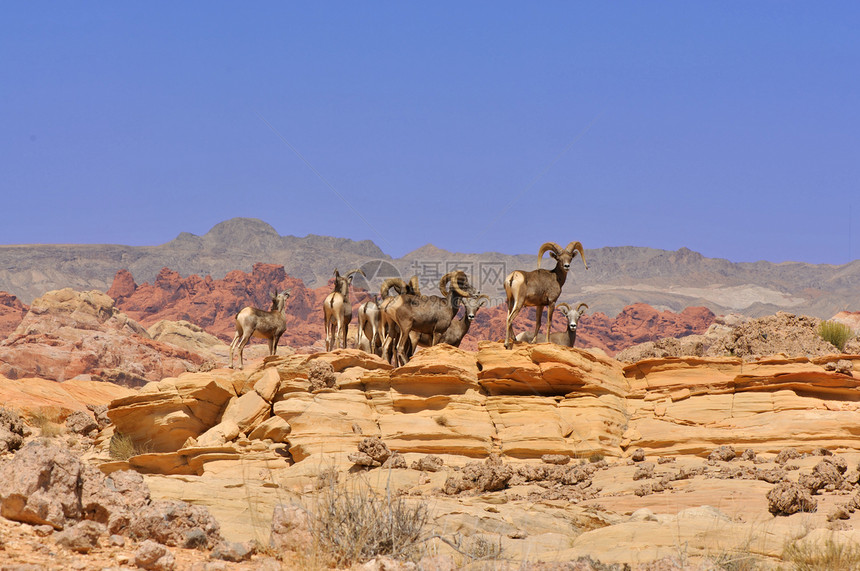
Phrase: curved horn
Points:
(483, 296)
(563, 307)
(548, 246)
(581, 307)
(577, 246)
(356, 271)
(396, 283)
(442, 284)
(455, 283)
(415, 285)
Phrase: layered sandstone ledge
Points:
(521, 404)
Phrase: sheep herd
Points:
(393, 325)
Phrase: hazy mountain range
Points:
(617, 276)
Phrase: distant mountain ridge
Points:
(617, 276)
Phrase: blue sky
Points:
(730, 128)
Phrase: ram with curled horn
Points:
(539, 288)
(337, 310)
(431, 314)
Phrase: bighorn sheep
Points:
(539, 288)
(337, 310)
(259, 323)
(367, 337)
(566, 338)
(458, 328)
(388, 329)
(427, 314)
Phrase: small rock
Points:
(153, 556)
(396, 460)
(232, 551)
(785, 455)
(82, 537)
(787, 498)
(81, 423)
(644, 471)
(429, 463)
(749, 454)
(638, 455)
(555, 459)
(362, 459)
(722, 454)
(375, 448)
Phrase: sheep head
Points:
(473, 303)
(341, 283)
(572, 315)
(563, 257)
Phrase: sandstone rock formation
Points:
(68, 334)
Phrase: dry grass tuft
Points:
(123, 447)
(354, 524)
(830, 555)
(49, 425)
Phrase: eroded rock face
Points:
(213, 304)
(12, 311)
(68, 334)
(45, 484)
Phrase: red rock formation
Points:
(213, 304)
(12, 311)
(68, 334)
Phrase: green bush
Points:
(835, 333)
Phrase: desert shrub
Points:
(835, 333)
(49, 425)
(354, 524)
(122, 447)
(815, 556)
(481, 547)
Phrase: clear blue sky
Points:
(731, 128)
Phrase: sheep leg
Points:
(245, 338)
(235, 342)
(401, 346)
(538, 317)
(549, 309)
(329, 334)
(509, 325)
